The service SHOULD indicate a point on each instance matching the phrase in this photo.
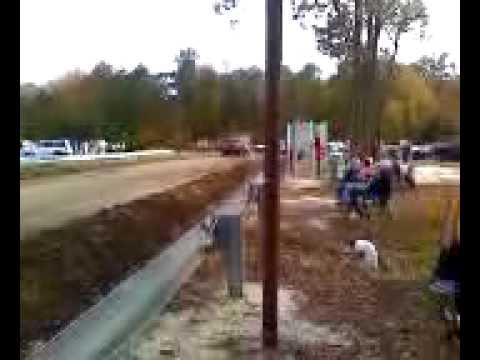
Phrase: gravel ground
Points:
(329, 307)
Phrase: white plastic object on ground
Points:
(352, 215)
(369, 252)
(448, 315)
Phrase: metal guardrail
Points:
(105, 329)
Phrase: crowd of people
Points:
(366, 182)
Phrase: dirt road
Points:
(49, 203)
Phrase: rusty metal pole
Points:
(271, 164)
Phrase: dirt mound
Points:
(65, 271)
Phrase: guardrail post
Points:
(229, 239)
(256, 197)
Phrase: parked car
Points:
(116, 147)
(336, 149)
(259, 148)
(54, 147)
(446, 151)
(27, 148)
(97, 146)
(422, 152)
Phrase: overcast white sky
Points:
(57, 36)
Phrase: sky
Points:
(58, 36)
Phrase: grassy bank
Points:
(55, 168)
(410, 242)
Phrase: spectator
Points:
(354, 189)
(357, 199)
(367, 172)
(397, 169)
(447, 272)
(384, 183)
(446, 275)
(351, 176)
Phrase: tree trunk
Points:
(357, 56)
(369, 81)
(376, 93)
(372, 92)
(369, 30)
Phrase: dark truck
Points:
(235, 146)
(446, 151)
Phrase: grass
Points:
(409, 247)
(410, 242)
(46, 169)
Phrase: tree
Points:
(436, 69)
(206, 73)
(102, 70)
(184, 78)
(285, 73)
(186, 61)
(412, 108)
(139, 73)
(134, 109)
(310, 71)
(251, 73)
(339, 25)
(221, 7)
(204, 113)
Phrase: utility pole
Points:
(271, 166)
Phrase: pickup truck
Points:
(235, 147)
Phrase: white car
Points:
(54, 147)
(336, 150)
(28, 148)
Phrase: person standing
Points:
(367, 171)
(384, 183)
(396, 169)
(446, 275)
(351, 176)
(447, 271)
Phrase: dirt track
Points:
(51, 202)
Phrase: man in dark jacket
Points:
(447, 272)
(384, 183)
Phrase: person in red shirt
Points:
(368, 171)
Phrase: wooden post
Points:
(271, 210)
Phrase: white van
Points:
(54, 147)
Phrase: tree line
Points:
(365, 37)
(421, 102)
